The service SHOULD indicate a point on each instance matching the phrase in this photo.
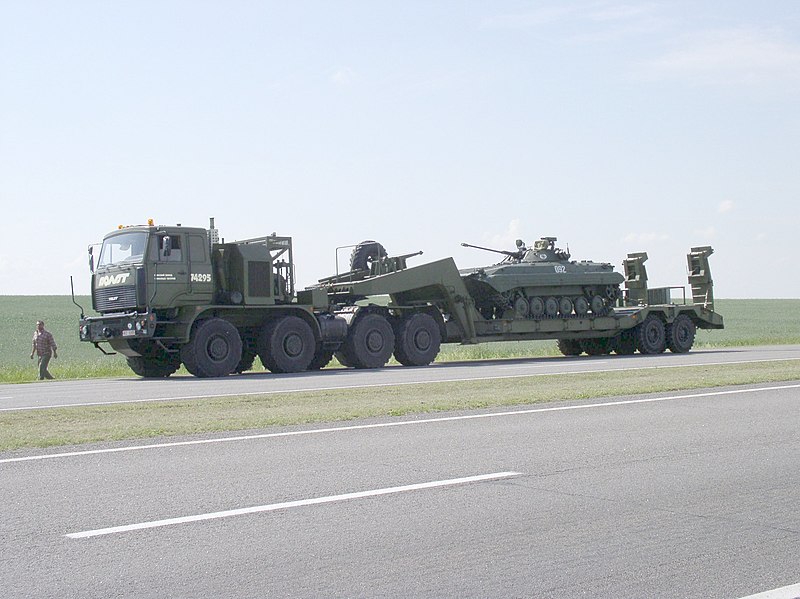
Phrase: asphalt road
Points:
(680, 495)
(46, 394)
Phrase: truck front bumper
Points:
(132, 325)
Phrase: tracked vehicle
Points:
(541, 282)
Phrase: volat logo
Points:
(108, 280)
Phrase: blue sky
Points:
(615, 126)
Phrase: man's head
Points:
(40, 324)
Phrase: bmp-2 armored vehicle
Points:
(541, 282)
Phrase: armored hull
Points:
(542, 282)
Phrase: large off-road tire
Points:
(625, 343)
(249, 351)
(417, 340)
(570, 347)
(321, 359)
(365, 253)
(680, 334)
(214, 349)
(287, 344)
(651, 336)
(369, 343)
(153, 367)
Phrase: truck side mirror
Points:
(167, 245)
(91, 259)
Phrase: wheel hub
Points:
(217, 349)
(293, 345)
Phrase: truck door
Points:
(201, 286)
(170, 275)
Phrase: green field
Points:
(747, 322)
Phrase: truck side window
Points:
(197, 248)
(175, 255)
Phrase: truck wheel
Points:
(680, 334)
(321, 359)
(651, 336)
(626, 343)
(152, 368)
(365, 253)
(287, 344)
(418, 340)
(570, 347)
(214, 349)
(369, 343)
(249, 352)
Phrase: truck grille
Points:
(115, 299)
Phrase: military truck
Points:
(172, 295)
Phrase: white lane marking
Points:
(790, 592)
(357, 427)
(387, 384)
(289, 504)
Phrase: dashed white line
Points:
(289, 504)
(356, 427)
(387, 384)
(790, 592)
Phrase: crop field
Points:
(747, 322)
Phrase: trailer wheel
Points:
(625, 343)
(214, 349)
(597, 346)
(680, 334)
(286, 344)
(570, 347)
(365, 253)
(418, 340)
(320, 360)
(651, 335)
(152, 368)
(369, 343)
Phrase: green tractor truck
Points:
(172, 295)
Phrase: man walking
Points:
(44, 346)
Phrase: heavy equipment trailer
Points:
(432, 304)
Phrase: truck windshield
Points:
(125, 247)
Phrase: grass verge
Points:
(71, 426)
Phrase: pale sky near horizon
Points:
(615, 126)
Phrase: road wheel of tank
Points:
(570, 347)
(214, 349)
(598, 305)
(651, 336)
(536, 307)
(680, 334)
(365, 253)
(369, 343)
(321, 359)
(626, 343)
(551, 307)
(581, 306)
(417, 340)
(286, 344)
(565, 306)
(152, 368)
(521, 307)
(597, 346)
